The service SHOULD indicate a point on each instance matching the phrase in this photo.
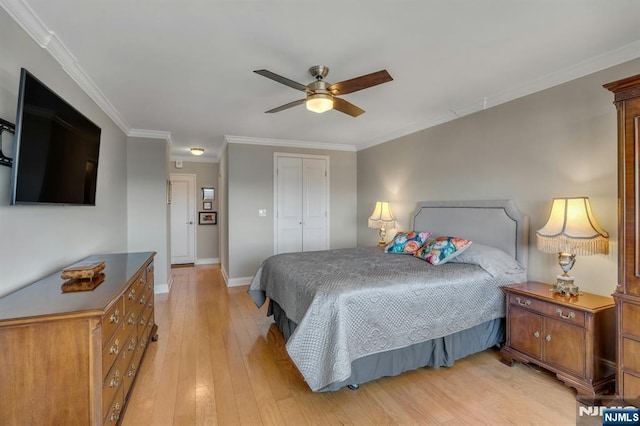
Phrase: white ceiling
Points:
(182, 70)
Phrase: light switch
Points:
(262, 212)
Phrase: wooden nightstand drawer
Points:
(560, 312)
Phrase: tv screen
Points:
(55, 149)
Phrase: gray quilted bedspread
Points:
(350, 303)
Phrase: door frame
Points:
(194, 241)
(277, 155)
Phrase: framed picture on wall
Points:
(208, 194)
(207, 205)
(208, 218)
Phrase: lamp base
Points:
(565, 285)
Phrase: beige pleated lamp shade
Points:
(572, 229)
(382, 216)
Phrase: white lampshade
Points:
(572, 229)
(382, 216)
(197, 151)
(319, 102)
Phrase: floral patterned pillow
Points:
(440, 250)
(406, 242)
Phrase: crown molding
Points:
(598, 63)
(151, 134)
(288, 143)
(31, 23)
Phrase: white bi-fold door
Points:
(301, 200)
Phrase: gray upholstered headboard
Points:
(495, 223)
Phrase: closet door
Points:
(289, 205)
(301, 204)
(314, 204)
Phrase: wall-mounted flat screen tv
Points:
(55, 149)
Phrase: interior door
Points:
(289, 205)
(182, 219)
(314, 204)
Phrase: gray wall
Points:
(207, 235)
(39, 240)
(250, 171)
(558, 142)
(148, 212)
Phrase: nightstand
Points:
(573, 337)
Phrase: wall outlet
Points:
(262, 212)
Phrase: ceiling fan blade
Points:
(359, 83)
(281, 79)
(287, 106)
(346, 107)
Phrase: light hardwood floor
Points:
(220, 360)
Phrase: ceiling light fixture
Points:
(319, 102)
(197, 151)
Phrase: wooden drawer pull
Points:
(116, 379)
(115, 414)
(521, 303)
(568, 316)
(115, 348)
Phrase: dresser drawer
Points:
(631, 354)
(548, 309)
(112, 349)
(630, 319)
(112, 319)
(150, 279)
(114, 410)
(132, 295)
(630, 388)
(112, 387)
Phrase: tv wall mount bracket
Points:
(5, 126)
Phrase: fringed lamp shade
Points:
(382, 218)
(571, 230)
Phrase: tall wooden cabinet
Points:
(72, 358)
(627, 294)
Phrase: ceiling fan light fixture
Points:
(197, 151)
(319, 102)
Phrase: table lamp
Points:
(382, 218)
(571, 230)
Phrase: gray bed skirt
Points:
(440, 352)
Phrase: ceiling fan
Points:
(323, 96)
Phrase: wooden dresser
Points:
(72, 358)
(627, 294)
(571, 336)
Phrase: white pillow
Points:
(494, 261)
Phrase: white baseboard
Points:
(208, 261)
(236, 282)
(161, 288)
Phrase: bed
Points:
(350, 316)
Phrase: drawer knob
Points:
(521, 303)
(143, 300)
(115, 348)
(132, 319)
(567, 316)
(536, 334)
(115, 317)
(115, 380)
(132, 294)
(548, 338)
(115, 415)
